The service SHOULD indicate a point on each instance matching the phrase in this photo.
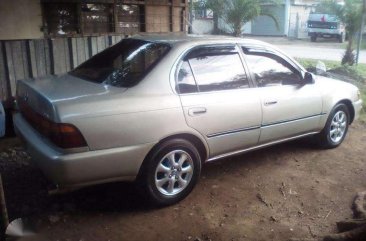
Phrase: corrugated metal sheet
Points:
(23, 59)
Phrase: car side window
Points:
(212, 69)
(185, 79)
(271, 70)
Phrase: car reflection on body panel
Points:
(153, 108)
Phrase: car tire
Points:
(336, 127)
(313, 38)
(170, 172)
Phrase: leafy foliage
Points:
(350, 14)
(237, 12)
(329, 6)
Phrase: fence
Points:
(21, 59)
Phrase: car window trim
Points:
(275, 52)
(182, 57)
(267, 52)
(145, 73)
(250, 76)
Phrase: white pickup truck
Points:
(325, 26)
(2, 120)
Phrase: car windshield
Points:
(124, 64)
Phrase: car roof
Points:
(181, 38)
(189, 40)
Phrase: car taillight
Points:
(61, 134)
(65, 136)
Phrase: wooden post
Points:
(4, 222)
(115, 17)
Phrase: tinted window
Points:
(270, 69)
(123, 64)
(185, 79)
(213, 68)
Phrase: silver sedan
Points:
(154, 108)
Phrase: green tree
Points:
(350, 14)
(217, 7)
(237, 12)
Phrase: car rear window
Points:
(124, 64)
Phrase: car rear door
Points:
(290, 107)
(217, 98)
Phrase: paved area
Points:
(323, 49)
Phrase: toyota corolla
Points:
(154, 108)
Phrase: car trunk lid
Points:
(43, 95)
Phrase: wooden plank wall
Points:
(21, 59)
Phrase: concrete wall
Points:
(20, 19)
(298, 21)
(202, 26)
(265, 26)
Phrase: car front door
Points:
(217, 98)
(290, 107)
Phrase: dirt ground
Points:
(292, 190)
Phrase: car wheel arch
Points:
(330, 103)
(350, 108)
(196, 141)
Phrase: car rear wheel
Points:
(171, 172)
(313, 38)
(336, 127)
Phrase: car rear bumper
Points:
(82, 168)
(357, 106)
(322, 31)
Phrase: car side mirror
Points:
(308, 78)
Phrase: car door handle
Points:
(267, 103)
(197, 111)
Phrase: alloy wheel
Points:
(174, 172)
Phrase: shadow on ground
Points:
(26, 189)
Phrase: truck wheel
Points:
(313, 38)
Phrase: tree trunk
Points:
(349, 57)
(237, 29)
(350, 43)
(215, 23)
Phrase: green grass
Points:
(311, 63)
(357, 75)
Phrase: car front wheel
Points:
(171, 172)
(336, 127)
